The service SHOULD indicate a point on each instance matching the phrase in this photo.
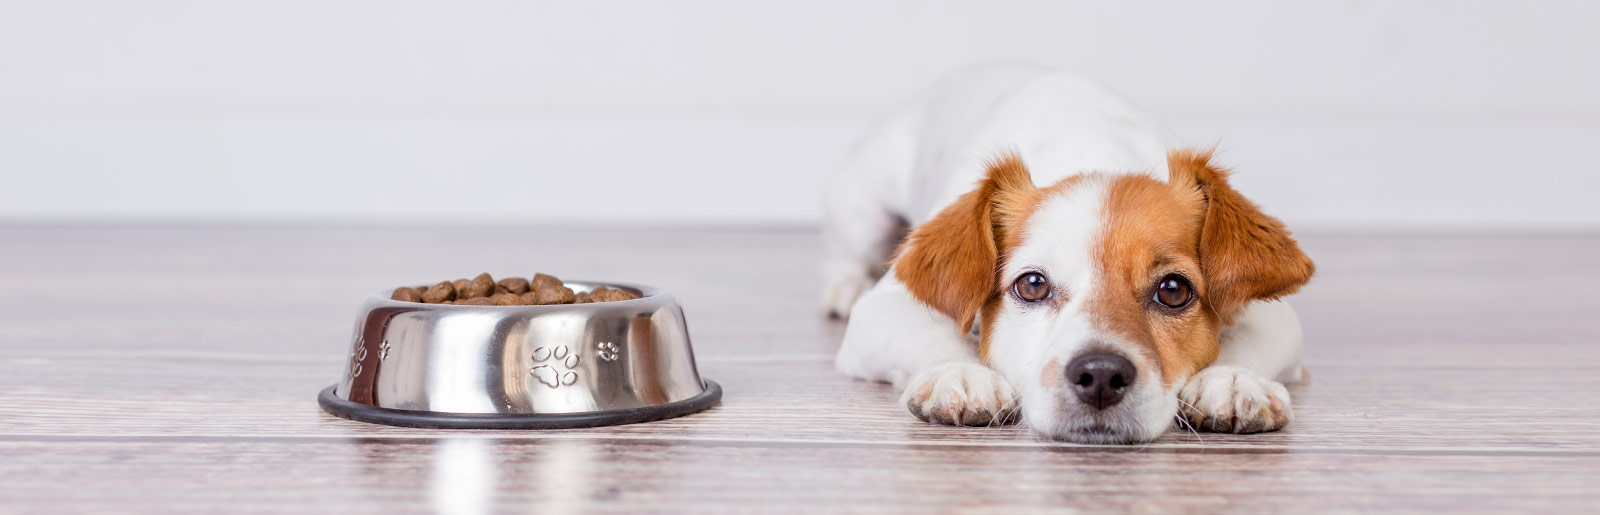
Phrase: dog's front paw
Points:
(962, 394)
(841, 292)
(1234, 400)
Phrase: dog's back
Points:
(925, 155)
(1059, 123)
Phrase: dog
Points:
(1067, 265)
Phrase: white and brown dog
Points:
(1065, 264)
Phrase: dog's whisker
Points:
(1184, 421)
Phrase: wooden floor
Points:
(176, 369)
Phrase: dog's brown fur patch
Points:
(952, 261)
(1152, 230)
(1244, 254)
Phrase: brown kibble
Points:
(507, 299)
(515, 285)
(406, 294)
(474, 291)
(439, 293)
(557, 295)
(480, 286)
(483, 290)
(485, 282)
(604, 294)
(542, 281)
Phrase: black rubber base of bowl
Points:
(434, 420)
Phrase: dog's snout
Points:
(1100, 379)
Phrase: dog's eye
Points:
(1174, 291)
(1032, 287)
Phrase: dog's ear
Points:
(951, 262)
(1245, 255)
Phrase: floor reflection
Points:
(564, 473)
(560, 473)
(473, 475)
(464, 477)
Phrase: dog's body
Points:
(1059, 240)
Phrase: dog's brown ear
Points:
(1245, 255)
(951, 262)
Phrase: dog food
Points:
(515, 285)
(541, 281)
(604, 294)
(407, 293)
(442, 292)
(483, 290)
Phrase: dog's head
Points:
(1100, 295)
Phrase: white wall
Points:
(1455, 115)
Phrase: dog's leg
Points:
(895, 338)
(863, 214)
(1242, 392)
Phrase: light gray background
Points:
(1458, 116)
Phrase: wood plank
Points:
(1350, 408)
(570, 475)
(174, 369)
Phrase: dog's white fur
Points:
(921, 159)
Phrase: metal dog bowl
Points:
(521, 367)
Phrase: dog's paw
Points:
(962, 394)
(841, 292)
(1234, 400)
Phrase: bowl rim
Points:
(331, 402)
(646, 294)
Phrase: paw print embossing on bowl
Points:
(606, 351)
(557, 366)
(356, 356)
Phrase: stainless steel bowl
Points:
(521, 367)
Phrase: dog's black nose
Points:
(1100, 379)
